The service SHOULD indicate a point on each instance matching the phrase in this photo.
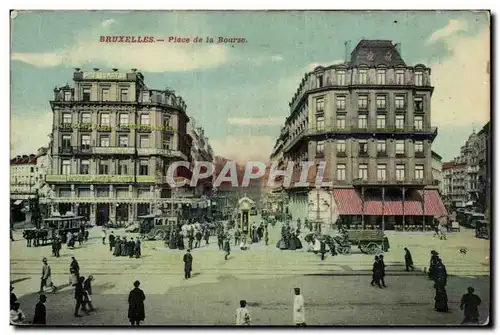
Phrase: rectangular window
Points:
(86, 118)
(123, 141)
(363, 147)
(123, 167)
(341, 121)
(419, 78)
(84, 166)
(85, 141)
(400, 121)
(320, 105)
(381, 102)
(144, 120)
(66, 141)
(380, 77)
(124, 119)
(362, 102)
(363, 77)
(124, 94)
(400, 101)
(381, 172)
(166, 122)
(104, 141)
(418, 122)
(166, 143)
(418, 104)
(320, 122)
(66, 118)
(400, 77)
(105, 94)
(67, 95)
(381, 147)
(144, 141)
(400, 172)
(143, 168)
(341, 146)
(320, 147)
(341, 78)
(66, 166)
(145, 96)
(86, 94)
(340, 103)
(400, 147)
(380, 121)
(341, 169)
(104, 119)
(419, 172)
(319, 80)
(419, 146)
(362, 121)
(103, 167)
(363, 171)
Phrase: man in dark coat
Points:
(136, 298)
(58, 246)
(469, 304)
(80, 297)
(74, 267)
(207, 235)
(376, 272)
(198, 238)
(40, 317)
(125, 246)
(137, 248)
(408, 260)
(441, 298)
(188, 264)
(118, 247)
(131, 247)
(227, 247)
(111, 238)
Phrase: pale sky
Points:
(239, 93)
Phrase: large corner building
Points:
(113, 140)
(370, 120)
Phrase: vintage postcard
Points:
(250, 168)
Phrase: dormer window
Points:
(319, 80)
(341, 78)
(419, 76)
(380, 77)
(362, 76)
(145, 96)
(67, 95)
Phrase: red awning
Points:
(348, 201)
(412, 207)
(393, 206)
(373, 206)
(433, 203)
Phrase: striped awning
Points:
(373, 206)
(433, 203)
(393, 206)
(348, 201)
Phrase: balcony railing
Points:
(65, 150)
(113, 150)
(389, 181)
(89, 178)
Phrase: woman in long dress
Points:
(441, 299)
(118, 246)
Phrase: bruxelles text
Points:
(253, 170)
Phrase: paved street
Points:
(336, 290)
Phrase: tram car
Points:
(156, 227)
(55, 226)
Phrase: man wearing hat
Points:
(46, 280)
(188, 264)
(40, 317)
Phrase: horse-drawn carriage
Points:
(54, 226)
(368, 241)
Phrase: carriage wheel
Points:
(150, 235)
(363, 248)
(372, 248)
(345, 250)
(159, 235)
